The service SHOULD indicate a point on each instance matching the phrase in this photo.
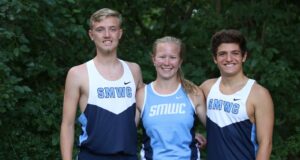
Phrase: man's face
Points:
(229, 59)
(106, 34)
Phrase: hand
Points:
(201, 141)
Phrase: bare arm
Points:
(137, 75)
(204, 89)
(264, 119)
(201, 113)
(139, 104)
(200, 109)
(206, 86)
(200, 106)
(71, 97)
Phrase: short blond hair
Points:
(103, 13)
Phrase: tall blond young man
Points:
(240, 115)
(104, 88)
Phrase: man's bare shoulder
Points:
(77, 75)
(134, 67)
(77, 70)
(136, 72)
(259, 91)
(207, 84)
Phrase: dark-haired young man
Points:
(240, 114)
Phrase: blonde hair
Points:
(103, 13)
(187, 85)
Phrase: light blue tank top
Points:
(168, 124)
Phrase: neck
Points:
(106, 53)
(110, 68)
(107, 60)
(166, 86)
(230, 85)
(231, 80)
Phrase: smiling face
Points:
(229, 59)
(106, 34)
(167, 60)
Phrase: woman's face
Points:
(167, 60)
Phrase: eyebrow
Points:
(108, 27)
(229, 51)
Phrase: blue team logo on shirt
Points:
(218, 104)
(114, 92)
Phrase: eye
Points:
(161, 57)
(221, 53)
(236, 53)
(113, 29)
(173, 57)
(99, 29)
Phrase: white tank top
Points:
(108, 122)
(230, 133)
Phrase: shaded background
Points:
(41, 40)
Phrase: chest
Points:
(176, 109)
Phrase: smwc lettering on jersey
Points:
(167, 109)
(114, 92)
(218, 104)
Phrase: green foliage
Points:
(41, 40)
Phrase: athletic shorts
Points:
(86, 155)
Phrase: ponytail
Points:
(188, 86)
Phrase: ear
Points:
(121, 33)
(245, 56)
(214, 59)
(91, 34)
(153, 59)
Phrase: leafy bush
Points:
(41, 40)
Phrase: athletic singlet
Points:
(108, 122)
(168, 126)
(230, 133)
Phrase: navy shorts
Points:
(86, 155)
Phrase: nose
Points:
(107, 33)
(228, 57)
(167, 61)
